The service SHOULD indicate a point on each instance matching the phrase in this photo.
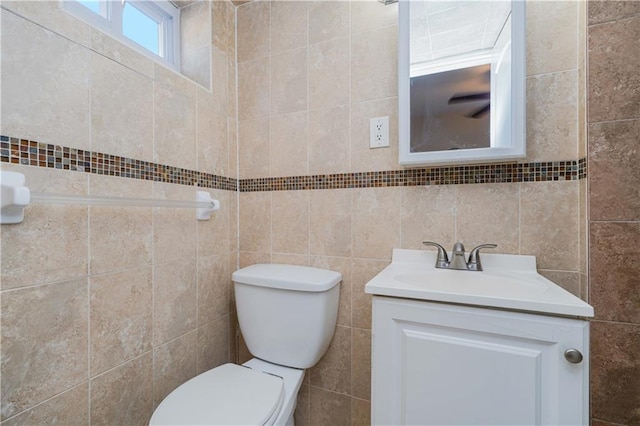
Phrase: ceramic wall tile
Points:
(613, 64)
(51, 244)
(119, 237)
(360, 412)
(328, 408)
(69, 408)
(254, 95)
(428, 214)
(552, 116)
(600, 11)
(489, 213)
(232, 129)
(173, 364)
(569, 281)
(333, 371)
(171, 80)
(291, 259)
(293, 17)
(174, 294)
(303, 405)
(124, 395)
(328, 20)
(362, 271)
(289, 82)
(255, 221)
(613, 272)
(214, 235)
(195, 25)
(329, 74)
(121, 110)
(288, 153)
(213, 344)
(174, 230)
(329, 146)
(552, 31)
(221, 80)
(331, 222)
(615, 372)
(369, 15)
(113, 49)
(247, 258)
(221, 33)
(49, 14)
(290, 222)
(376, 222)
(121, 317)
(548, 224)
(45, 92)
(374, 68)
(614, 176)
(232, 102)
(43, 327)
(174, 127)
(196, 65)
(361, 363)
(213, 295)
(254, 148)
(253, 30)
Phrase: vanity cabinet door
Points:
(439, 364)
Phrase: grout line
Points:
(519, 217)
(8, 419)
(597, 24)
(89, 279)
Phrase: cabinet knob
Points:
(574, 356)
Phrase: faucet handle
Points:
(474, 263)
(443, 260)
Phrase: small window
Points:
(141, 28)
(151, 25)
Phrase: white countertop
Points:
(507, 282)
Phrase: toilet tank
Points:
(287, 313)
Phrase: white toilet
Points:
(287, 315)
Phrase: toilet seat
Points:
(226, 395)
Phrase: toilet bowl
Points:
(287, 315)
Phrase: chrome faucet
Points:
(458, 261)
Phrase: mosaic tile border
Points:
(31, 153)
(451, 175)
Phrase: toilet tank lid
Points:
(287, 277)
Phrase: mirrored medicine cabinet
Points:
(461, 78)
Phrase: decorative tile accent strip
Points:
(31, 153)
(450, 175)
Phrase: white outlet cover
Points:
(379, 132)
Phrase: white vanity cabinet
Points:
(445, 364)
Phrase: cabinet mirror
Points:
(461, 81)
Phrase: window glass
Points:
(140, 28)
(92, 5)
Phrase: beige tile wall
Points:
(105, 310)
(310, 75)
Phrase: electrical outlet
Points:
(379, 132)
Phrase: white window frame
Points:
(110, 21)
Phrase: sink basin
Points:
(507, 282)
(498, 282)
